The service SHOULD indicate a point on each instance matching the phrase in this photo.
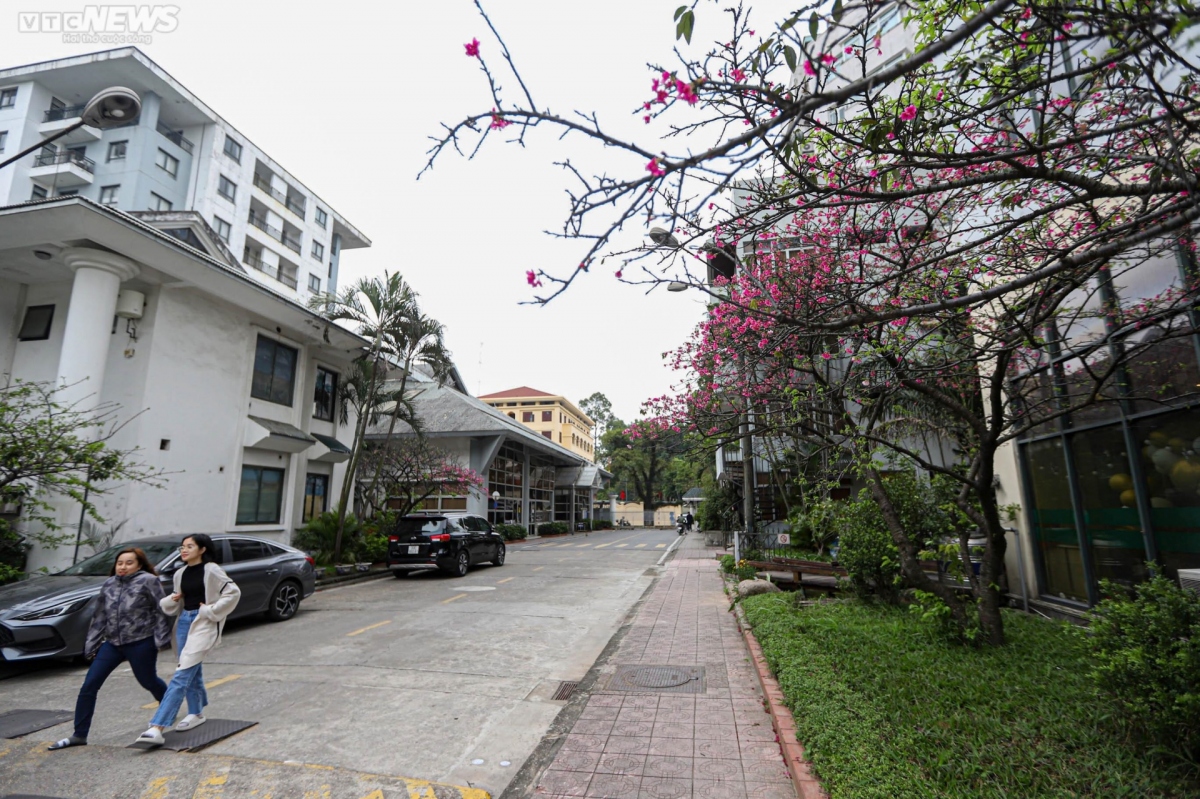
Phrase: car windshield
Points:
(421, 525)
(101, 564)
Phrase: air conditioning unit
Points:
(1190, 579)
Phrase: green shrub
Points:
(512, 532)
(865, 548)
(1146, 656)
(727, 564)
(744, 572)
(553, 528)
(320, 533)
(372, 548)
(601, 524)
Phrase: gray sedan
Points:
(48, 616)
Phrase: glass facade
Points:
(541, 490)
(505, 476)
(1116, 483)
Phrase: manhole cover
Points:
(663, 679)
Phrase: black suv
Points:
(453, 542)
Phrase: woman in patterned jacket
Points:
(128, 625)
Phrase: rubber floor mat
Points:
(16, 723)
(206, 734)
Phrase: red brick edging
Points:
(806, 784)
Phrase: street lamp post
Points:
(114, 106)
(723, 261)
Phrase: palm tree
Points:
(374, 306)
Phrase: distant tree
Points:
(599, 410)
(643, 455)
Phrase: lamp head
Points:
(675, 285)
(114, 106)
(663, 238)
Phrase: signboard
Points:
(785, 539)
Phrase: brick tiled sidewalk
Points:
(718, 744)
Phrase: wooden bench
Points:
(815, 574)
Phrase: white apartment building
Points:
(180, 167)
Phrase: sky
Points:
(345, 97)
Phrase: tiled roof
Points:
(523, 391)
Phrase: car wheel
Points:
(499, 559)
(462, 564)
(400, 574)
(285, 601)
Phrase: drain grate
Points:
(565, 689)
(659, 679)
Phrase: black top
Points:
(192, 586)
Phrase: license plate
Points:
(413, 550)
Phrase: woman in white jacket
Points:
(204, 595)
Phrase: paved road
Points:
(429, 677)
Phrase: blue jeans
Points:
(187, 682)
(143, 658)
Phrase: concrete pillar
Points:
(87, 335)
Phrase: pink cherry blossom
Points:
(909, 113)
(654, 169)
(472, 48)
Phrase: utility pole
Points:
(747, 468)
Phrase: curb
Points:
(346, 579)
(803, 780)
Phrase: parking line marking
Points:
(157, 789)
(660, 546)
(505, 580)
(622, 546)
(207, 685)
(539, 568)
(453, 598)
(581, 546)
(638, 546)
(617, 542)
(370, 627)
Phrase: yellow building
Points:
(553, 416)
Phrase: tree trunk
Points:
(391, 426)
(360, 430)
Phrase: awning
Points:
(579, 476)
(277, 436)
(329, 450)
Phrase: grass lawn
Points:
(884, 709)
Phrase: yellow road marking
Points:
(324, 792)
(539, 568)
(207, 685)
(451, 599)
(375, 794)
(638, 546)
(370, 627)
(581, 546)
(506, 580)
(157, 788)
(660, 546)
(622, 546)
(212, 786)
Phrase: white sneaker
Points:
(151, 736)
(190, 722)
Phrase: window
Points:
(223, 228)
(38, 193)
(116, 150)
(314, 284)
(8, 98)
(67, 192)
(167, 163)
(108, 194)
(233, 149)
(550, 434)
(547, 416)
(36, 325)
(158, 203)
(227, 188)
(3, 139)
(241, 549)
(322, 218)
(316, 496)
(325, 394)
(526, 416)
(260, 496)
(274, 371)
(318, 251)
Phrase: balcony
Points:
(175, 136)
(63, 169)
(58, 119)
(291, 242)
(285, 273)
(291, 200)
(260, 222)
